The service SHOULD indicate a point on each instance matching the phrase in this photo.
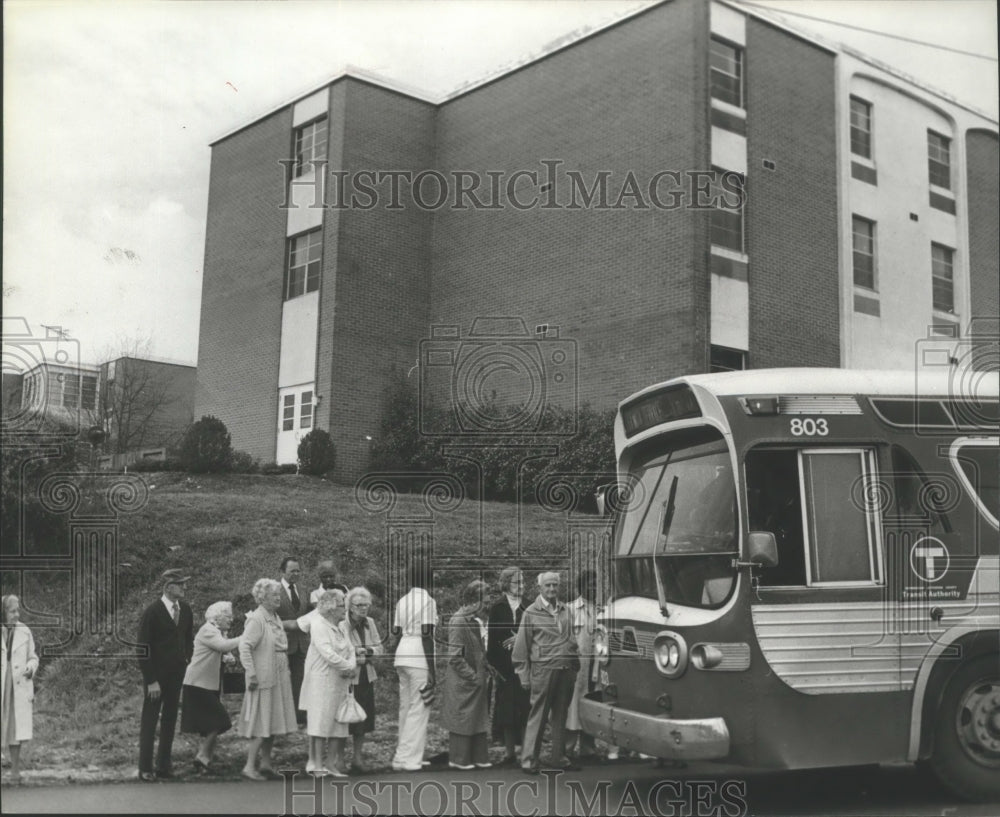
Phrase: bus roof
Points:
(960, 383)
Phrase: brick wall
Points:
(241, 287)
(376, 279)
(984, 246)
(791, 220)
(629, 287)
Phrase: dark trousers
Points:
(551, 693)
(169, 700)
(297, 668)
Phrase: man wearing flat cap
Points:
(166, 633)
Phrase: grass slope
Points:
(228, 531)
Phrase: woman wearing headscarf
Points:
(17, 669)
(367, 644)
(511, 702)
(202, 710)
(329, 670)
(465, 711)
(268, 707)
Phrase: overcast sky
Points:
(109, 109)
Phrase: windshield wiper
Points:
(666, 520)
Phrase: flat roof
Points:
(768, 16)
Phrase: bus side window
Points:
(774, 504)
(915, 497)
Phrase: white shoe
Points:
(461, 767)
(401, 767)
(310, 767)
(613, 753)
(484, 765)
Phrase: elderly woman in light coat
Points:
(466, 705)
(17, 668)
(329, 670)
(203, 712)
(268, 707)
(367, 643)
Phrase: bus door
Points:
(820, 613)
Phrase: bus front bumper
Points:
(656, 735)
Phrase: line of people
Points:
(309, 660)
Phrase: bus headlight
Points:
(670, 654)
(602, 653)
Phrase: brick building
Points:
(345, 225)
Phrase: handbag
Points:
(234, 681)
(350, 711)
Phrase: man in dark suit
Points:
(292, 606)
(166, 630)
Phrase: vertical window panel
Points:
(861, 127)
(939, 159)
(942, 277)
(863, 240)
(726, 68)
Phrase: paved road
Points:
(621, 789)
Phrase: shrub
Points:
(243, 463)
(317, 454)
(206, 447)
(581, 438)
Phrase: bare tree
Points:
(137, 398)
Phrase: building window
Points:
(726, 63)
(864, 252)
(303, 419)
(939, 159)
(71, 391)
(302, 273)
(942, 277)
(89, 393)
(727, 217)
(310, 146)
(724, 359)
(306, 410)
(861, 127)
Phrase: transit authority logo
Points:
(929, 559)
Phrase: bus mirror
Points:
(763, 550)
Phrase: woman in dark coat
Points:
(511, 702)
(465, 710)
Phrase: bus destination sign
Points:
(675, 403)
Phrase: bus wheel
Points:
(966, 753)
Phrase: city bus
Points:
(803, 573)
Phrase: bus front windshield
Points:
(680, 520)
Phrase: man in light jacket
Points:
(546, 661)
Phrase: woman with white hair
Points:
(329, 670)
(202, 710)
(367, 643)
(268, 707)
